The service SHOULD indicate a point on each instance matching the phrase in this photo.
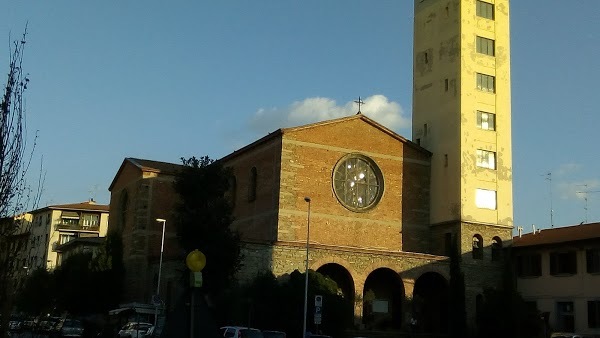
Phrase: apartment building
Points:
(559, 270)
(54, 226)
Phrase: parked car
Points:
(71, 328)
(134, 330)
(273, 334)
(240, 332)
(15, 324)
(568, 335)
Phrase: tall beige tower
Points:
(461, 113)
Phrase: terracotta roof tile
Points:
(559, 235)
(88, 206)
(149, 165)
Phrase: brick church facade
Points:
(384, 246)
(384, 210)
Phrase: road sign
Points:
(318, 300)
(317, 318)
(317, 310)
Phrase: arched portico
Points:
(383, 295)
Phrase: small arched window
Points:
(252, 184)
(496, 248)
(477, 247)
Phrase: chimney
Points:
(520, 229)
(533, 226)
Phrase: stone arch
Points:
(341, 276)
(430, 303)
(496, 248)
(383, 295)
(345, 283)
(477, 246)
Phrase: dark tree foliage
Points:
(37, 296)
(457, 311)
(203, 216)
(504, 313)
(83, 284)
(271, 303)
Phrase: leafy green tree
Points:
(203, 218)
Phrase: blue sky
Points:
(169, 79)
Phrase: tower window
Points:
(446, 85)
(485, 46)
(425, 129)
(477, 247)
(485, 199)
(486, 121)
(445, 160)
(486, 83)
(486, 159)
(496, 248)
(485, 10)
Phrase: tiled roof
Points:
(86, 206)
(149, 165)
(559, 235)
(359, 116)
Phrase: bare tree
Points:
(16, 195)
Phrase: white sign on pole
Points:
(318, 300)
(317, 318)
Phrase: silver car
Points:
(134, 330)
(71, 328)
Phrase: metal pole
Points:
(162, 246)
(307, 200)
(192, 307)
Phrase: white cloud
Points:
(578, 189)
(316, 109)
(568, 168)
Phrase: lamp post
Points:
(307, 200)
(162, 246)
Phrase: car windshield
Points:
(246, 333)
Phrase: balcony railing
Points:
(76, 227)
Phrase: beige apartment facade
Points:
(55, 225)
(559, 270)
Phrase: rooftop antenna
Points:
(585, 198)
(93, 192)
(359, 102)
(549, 179)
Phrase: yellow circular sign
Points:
(195, 261)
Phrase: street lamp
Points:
(162, 245)
(307, 200)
